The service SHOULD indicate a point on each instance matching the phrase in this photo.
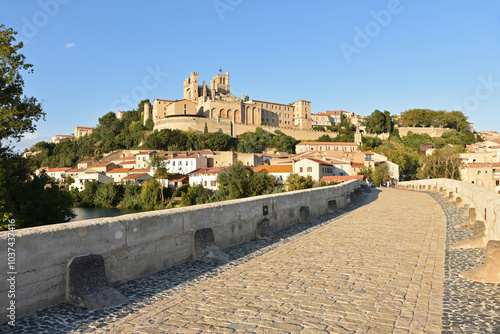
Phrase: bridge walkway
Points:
(378, 269)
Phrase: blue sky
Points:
(91, 57)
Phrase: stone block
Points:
(489, 272)
(87, 285)
(478, 239)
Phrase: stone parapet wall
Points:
(138, 244)
(433, 132)
(485, 201)
(224, 125)
(186, 123)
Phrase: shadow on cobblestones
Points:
(468, 306)
(64, 318)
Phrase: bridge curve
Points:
(379, 268)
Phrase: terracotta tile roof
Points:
(274, 168)
(326, 143)
(101, 165)
(321, 162)
(119, 170)
(74, 170)
(483, 164)
(190, 156)
(341, 178)
(129, 162)
(357, 164)
(134, 176)
(338, 162)
(178, 178)
(209, 170)
(139, 170)
(56, 170)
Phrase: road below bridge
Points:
(377, 269)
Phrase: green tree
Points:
(150, 194)
(132, 199)
(150, 124)
(22, 197)
(408, 160)
(298, 182)
(260, 182)
(235, 180)
(158, 164)
(324, 138)
(196, 195)
(414, 140)
(369, 143)
(88, 193)
(380, 174)
(444, 163)
(29, 202)
(284, 143)
(18, 113)
(319, 128)
(106, 196)
(379, 122)
(367, 172)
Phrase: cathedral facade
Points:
(216, 102)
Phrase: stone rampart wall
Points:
(138, 244)
(433, 132)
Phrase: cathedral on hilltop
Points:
(215, 104)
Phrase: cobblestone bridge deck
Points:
(378, 269)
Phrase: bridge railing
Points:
(484, 216)
(138, 244)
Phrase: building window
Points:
(498, 183)
(205, 183)
(478, 172)
(301, 169)
(309, 169)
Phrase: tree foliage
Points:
(380, 174)
(379, 122)
(23, 198)
(298, 182)
(444, 163)
(26, 200)
(18, 113)
(435, 118)
(239, 181)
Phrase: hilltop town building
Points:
(217, 103)
(81, 131)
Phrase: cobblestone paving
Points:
(468, 306)
(373, 270)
